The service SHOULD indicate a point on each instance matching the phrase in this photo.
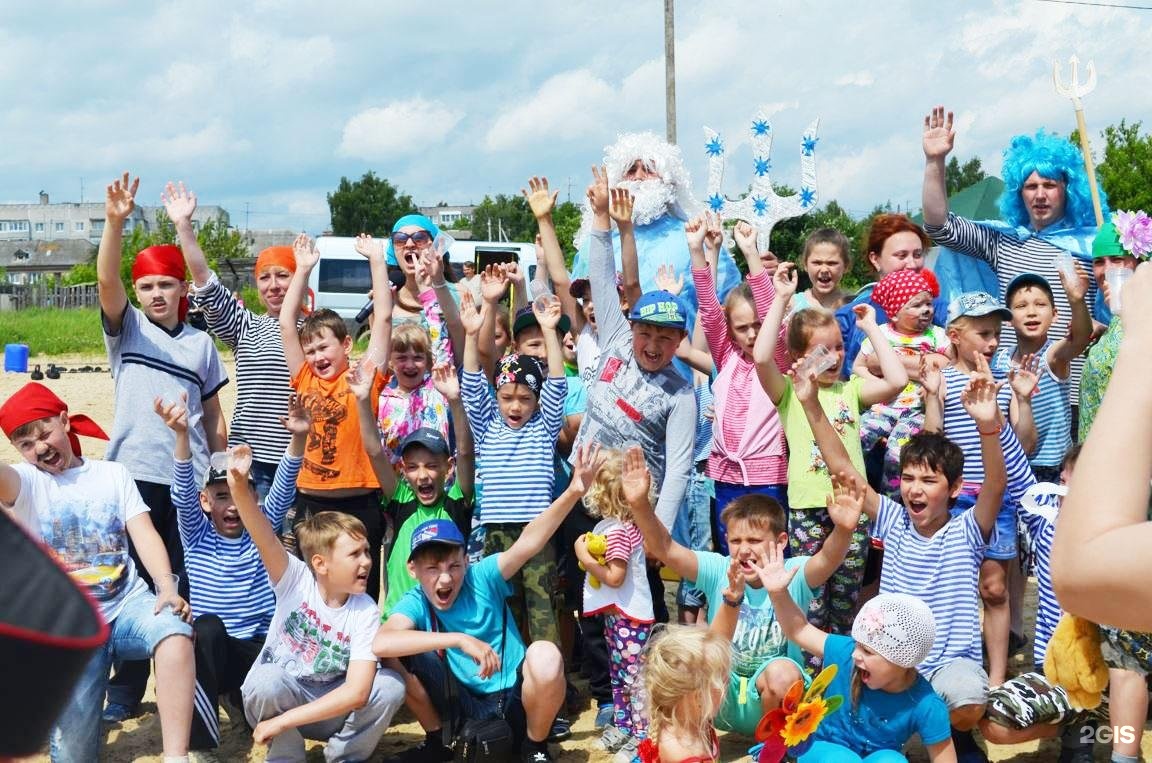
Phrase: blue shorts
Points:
(1002, 543)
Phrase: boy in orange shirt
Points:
(336, 474)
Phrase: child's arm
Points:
(473, 323)
(191, 519)
(792, 621)
(118, 204)
(9, 485)
(611, 573)
(549, 319)
(1024, 379)
(636, 482)
(282, 495)
(876, 390)
(931, 387)
(844, 507)
(440, 308)
(361, 383)
(180, 203)
(448, 384)
(398, 637)
(516, 277)
(154, 558)
(537, 533)
(380, 343)
(542, 202)
(710, 316)
(831, 446)
(493, 285)
(941, 752)
(728, 616)
(764, 351)
(1065, 350)
(621, 211)
(979, 399)
(215, 427)
(267, 542)
(610, 321)
(350, 695)
(306, 259)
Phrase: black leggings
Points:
(366, 508)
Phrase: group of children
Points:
(252, 573)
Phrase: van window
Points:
(344, 276)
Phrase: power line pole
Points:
(670, 70)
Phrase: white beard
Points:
(652, 199)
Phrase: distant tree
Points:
(567, 217)
(461, 223)
(368, 205)
(1126, 172)
(958, 176)
(509, 215)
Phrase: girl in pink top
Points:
(748, 449)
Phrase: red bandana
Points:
(161, 260)
(895, 289)
(33, 402)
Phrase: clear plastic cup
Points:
(1116, 277)
(817, 361)
(220, 461)
(1066, 264)
(442, 243)
(544, 301)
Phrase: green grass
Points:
(52, 331)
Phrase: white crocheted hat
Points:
(898, 627)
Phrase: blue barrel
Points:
(16, 358)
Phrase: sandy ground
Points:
(139, 738)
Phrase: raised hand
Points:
(493, 283)
(865, 315)
(121, 198)
(432, 264)
(515, 274)
(784, 280)
(979, 399)
(175, 415)
(714, 235)
(178, 202)
(539, 199)
(470, 317)
(666, 279)
(584, 470)
(1076, 287)
(369, 247)
(745, 236)
(635, 479)
(239, 464)
(621, 207)
(305, 252)
(695, 230)
(598, 191)
(299, 418)
(846, 502)
(931, 376)
(938, 135)
(982, 369)
(803, 381)
(547, 314)
(446, 381)
(736, 582)
(1025, 377)
(770, 569)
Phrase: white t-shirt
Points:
(82, 517)
(587, 352)
(632, 597)
(311, 640)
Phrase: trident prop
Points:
(1075, 91)
(762, 207)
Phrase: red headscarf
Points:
(33, 402)
(897, 288)
(161, 260)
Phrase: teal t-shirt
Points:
(478, 612)
(882, 720)
(758, 636)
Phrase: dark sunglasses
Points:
(399, 238)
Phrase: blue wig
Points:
(1054, 158)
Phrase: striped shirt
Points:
(943, 571)
(262, 378)
(1010, 257)
(1051, 409)
(960, 428)
(1041, 531)
(704, 423)
(515, 465)
(622, 541)
(226, 577)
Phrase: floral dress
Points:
(1097, 373)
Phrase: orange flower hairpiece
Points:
(788, 729)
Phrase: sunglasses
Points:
(420, 237)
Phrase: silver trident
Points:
(1075, 91)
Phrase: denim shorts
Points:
(1002, 544)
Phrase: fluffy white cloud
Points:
(855, 79)
(568, 105)
(402, 127)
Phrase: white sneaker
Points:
(612, 738)
(628, 751)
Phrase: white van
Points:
(341, 281)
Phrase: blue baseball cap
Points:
(659, 308)
(976, 304)
(427, 438)
(436, 531)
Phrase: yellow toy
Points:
(597, 546)
(1074, 661)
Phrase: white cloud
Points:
(855, 79)
(398, 128)
(278, 61)
(568, 105)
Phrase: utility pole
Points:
(670, 70)
(245, 217)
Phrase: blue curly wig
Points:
(1055, 158)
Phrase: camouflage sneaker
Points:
(1027, 700)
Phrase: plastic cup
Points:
(1066, 264)
(442, 244)
(220, 461)
(544, 301)
(1116, 277)
(817, 361)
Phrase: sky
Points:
(262, 107)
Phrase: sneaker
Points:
(604, 715)
(628, 752)
(117, 713)
(425, 752)
(533, 754)
(561, 729)
(967, 751)
(613, 738)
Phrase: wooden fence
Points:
(21, 296)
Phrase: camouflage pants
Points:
(532, 587)
(834, 606)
